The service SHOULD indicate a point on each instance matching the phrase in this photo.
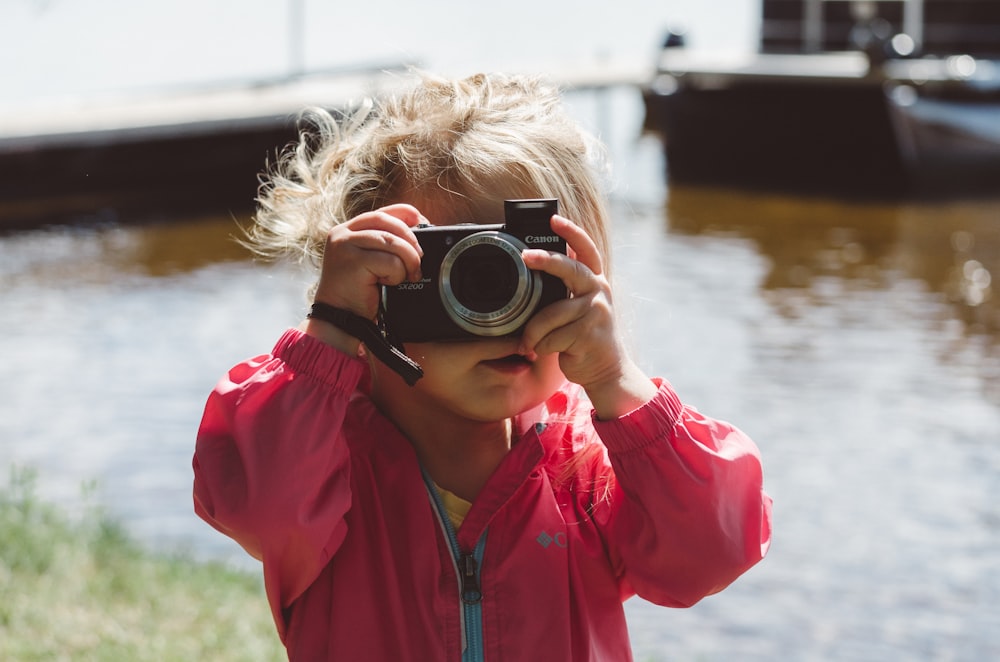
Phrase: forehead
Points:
(452, 209)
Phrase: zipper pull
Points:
(469, 571)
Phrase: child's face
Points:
(481, 380)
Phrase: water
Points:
(857, 344)
(836, 346)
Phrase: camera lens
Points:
(485, 286)
(484, 279)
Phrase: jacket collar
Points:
(514, 470)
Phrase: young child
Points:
(506, 504)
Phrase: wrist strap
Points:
(376, 338)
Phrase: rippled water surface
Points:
(856, 343)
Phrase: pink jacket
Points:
(297, 465)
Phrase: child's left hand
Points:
(582, 328)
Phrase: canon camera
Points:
(474, 282)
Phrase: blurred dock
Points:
(199, 148)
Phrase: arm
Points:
(271, 466)
(689, 514)
(582, 328)
(271, 462)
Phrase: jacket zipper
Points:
(472, 597)
(468, 569)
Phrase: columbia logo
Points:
(544, 539)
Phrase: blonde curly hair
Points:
(467, 144)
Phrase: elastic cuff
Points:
(644, 425)
(310, 356)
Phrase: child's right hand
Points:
(372, 249)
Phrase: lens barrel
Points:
(485, 287)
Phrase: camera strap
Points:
(376, 337)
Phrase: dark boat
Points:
(885, 98)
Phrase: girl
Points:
(504, 506)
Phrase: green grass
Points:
(81, 589)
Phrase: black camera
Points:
(474, 282)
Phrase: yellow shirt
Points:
(456, 507)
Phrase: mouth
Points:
(509, 363)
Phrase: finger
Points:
(558, 341)
(406, 213)
(583, 247)
(577, 277)
(543, 331)
(385, 221)
(387, 255)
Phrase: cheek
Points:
(437, 358)
(425, 354)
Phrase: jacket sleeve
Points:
(271, 467)
(688, 514)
